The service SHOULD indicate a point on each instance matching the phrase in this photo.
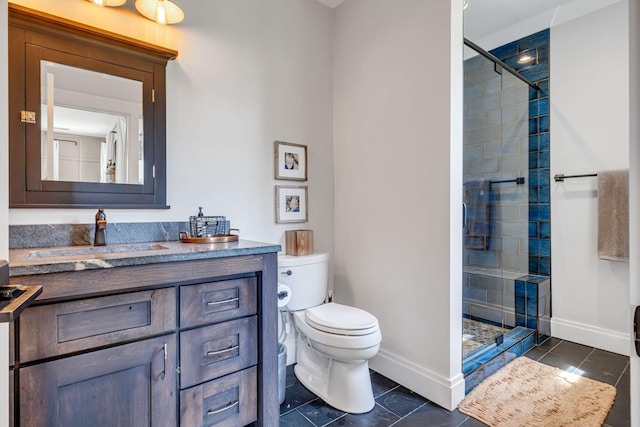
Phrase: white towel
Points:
(613, 215)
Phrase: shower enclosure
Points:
(496, 197)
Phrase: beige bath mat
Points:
(526, 393)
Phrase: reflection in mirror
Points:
(91, 126)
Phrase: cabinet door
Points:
(130, 385)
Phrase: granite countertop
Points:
(23, 262)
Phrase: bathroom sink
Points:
(94, 250)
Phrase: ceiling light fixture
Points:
(525, 59)
(161, 11)
(112, 3)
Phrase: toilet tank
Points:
(307, 278)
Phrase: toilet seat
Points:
(335, 340)
(341, 319)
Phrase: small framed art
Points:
(291, 204)
(290, 161)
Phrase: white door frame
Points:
(634, 196)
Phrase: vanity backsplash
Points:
(49, 235)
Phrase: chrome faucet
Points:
(100, 238)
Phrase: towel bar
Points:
(519, 181)
(561, 177)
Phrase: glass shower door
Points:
(495, 236)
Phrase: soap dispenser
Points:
(100, 237)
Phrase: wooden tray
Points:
(185, 237)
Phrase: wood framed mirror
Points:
(87, 113)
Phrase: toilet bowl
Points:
(335, 341)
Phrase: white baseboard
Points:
(593, 336)
(446, 392)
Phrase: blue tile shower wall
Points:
(539, 130)
(489, 298)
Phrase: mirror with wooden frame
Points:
(86, 116)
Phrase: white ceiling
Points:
(503, 8)
(483, 18)
(486, 17)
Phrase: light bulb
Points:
(161, 13)
(112, 3)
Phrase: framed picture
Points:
(291, 204)
(290, 161)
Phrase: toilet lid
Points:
(341, 319)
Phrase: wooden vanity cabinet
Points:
(190, 343)
(124, 385)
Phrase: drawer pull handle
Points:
(213, 353)
(224, 408)
(223, 302)
(163, 375)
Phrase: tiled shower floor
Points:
(476, 335)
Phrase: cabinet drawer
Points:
(213, 351)
(56, 329)
(229, 401)
(217, 301)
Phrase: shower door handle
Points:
(464, 215)
(636, 330)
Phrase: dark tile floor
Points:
(399, 407)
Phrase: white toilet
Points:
(335, 341)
